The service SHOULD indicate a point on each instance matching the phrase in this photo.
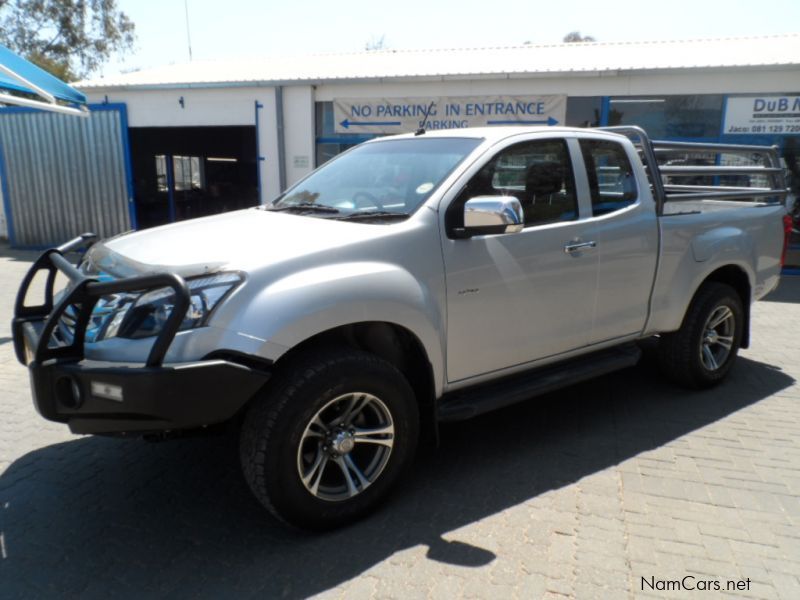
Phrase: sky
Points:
(224, 29)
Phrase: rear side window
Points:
(611, 180)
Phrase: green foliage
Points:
(69, 38)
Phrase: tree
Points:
(575, 36)
(376, 43)
(69, 38)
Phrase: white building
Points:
(210, 136)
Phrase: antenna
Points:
(188, 32)
(421, 130)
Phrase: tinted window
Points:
(584, 111)
(670, 116)
(538, 173)
(611, 179)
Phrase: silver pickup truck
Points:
(412, 280)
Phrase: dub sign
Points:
(763, 115)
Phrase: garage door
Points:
(63, 175)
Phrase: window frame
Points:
(453, 196)
(587, 183)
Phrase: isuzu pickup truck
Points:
(413, 279)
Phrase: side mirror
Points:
(486, 215)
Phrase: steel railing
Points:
(83, 293)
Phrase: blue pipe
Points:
(170, 187)
(259, 158)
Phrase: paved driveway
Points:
(617, 488)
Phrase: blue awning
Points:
(20, 75)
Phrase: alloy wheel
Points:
(345, 446)
(717, 340)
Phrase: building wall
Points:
(236, 105)
(162, 107)
(208, 107)
(268, 143)
(298, 116)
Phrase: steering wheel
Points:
(365, 199)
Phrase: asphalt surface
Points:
(616, 488)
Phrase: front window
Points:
(538, 173)
(386, 178)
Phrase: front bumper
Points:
(110, 397)
(105, 397)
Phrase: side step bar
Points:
(471, 402)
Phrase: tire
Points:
(310, 462)
(693, 356)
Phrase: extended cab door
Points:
(517, 297)
(625, 228)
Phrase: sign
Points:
(763, 115)
(403, 115)
(300, 162)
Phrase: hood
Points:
(241, 240)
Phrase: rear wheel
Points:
(329, 438)
(702, 351)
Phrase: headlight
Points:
(133, 316)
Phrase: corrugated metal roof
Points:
(529, 59)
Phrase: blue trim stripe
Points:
(349, 139)
(126, 150)
(259, 158)
(790, 271)
(33, 248)
(6, 199)
(20, 109)
(92, 107)
(723, 116)
(605, 111)
(101, 106)
(170, 186)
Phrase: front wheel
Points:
(702, 351)
(324, 445)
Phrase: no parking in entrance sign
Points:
(402, 115)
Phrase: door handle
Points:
(574, 247)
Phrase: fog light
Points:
(107, 391)
(68, 392)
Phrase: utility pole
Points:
(188, 32)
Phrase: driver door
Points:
(518, 297)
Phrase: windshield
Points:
(389, 178)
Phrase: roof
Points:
(18, 75)
(496, 133)
(461, 63)
(491, 133)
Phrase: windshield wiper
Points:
(374, 214)
(305, 207)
